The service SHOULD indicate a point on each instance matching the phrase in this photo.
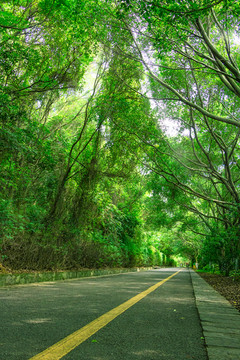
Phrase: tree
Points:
(74, 160)
(190, 57)
(87, 177)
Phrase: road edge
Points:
(219, 319)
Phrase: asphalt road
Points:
(164, 325)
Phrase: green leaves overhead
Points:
(89, 175)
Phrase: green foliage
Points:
(235, 275)
(89, 178)
(221, 248)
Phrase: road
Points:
(158, 320)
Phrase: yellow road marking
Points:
(64, 346)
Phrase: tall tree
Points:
(189, 52)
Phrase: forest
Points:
(119, 134)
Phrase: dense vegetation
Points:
(119, 133)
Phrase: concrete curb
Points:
(220, 321)
(27, 278)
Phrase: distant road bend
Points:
(143, 316)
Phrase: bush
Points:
(235, 275)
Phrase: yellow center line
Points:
(64, 346)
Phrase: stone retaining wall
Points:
(27, 278)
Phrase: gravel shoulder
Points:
(226, 286)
